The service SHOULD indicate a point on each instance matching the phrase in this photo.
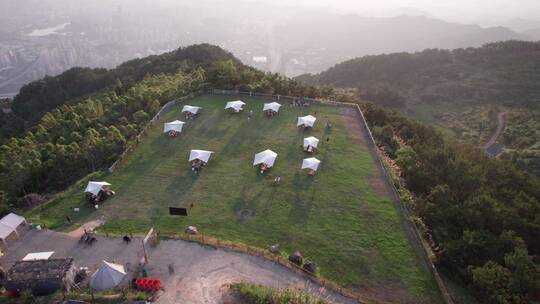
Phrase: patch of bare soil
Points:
(89, 226)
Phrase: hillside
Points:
(460, 90)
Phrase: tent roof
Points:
(38, 256)
(306, 120)
(200, 154)
(107, 276)
(12, 220)
(173, 125)
(311, 141)
(237, 104)
(311, 163)
(191, 109)
(274, 106)
(267, 157)
(95, 187)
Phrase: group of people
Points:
(173, 133)
(102, 195)
(190, 116)
(197, 165)
(300, 103)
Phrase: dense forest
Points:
(77, 132)
(503, 72)
(482, 215)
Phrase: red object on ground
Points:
(148, 284)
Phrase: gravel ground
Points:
(199, 274)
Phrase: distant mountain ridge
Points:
(497, 72)
(294, 43)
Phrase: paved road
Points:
(501, 125)
(200, 272)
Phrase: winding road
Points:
(501, 125)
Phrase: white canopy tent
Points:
(273, 106)
(236, 105)
(191, 109)
(173, 126)
(267, 157)
(200, 155)
(311, 141)
(311, 163)
(34, 256)
(95, 187)
(306, 121)
(108, 275)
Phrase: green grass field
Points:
(336, 218)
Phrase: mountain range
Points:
(290, 41)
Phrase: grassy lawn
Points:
(334, 218)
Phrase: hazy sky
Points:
(468, 11)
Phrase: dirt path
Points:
(199, 274)
(501, 125)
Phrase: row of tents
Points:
(236, 106)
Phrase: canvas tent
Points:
(267, 157)
(173, 126)
(311, 141)
(273, 106)
(5, 232)
(95, 187)
(108, 275)
(200, 155)
(306, 121)
(191, 109)
(236, 105)
(311, 163)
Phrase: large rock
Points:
(275, 249)
(311, 267)
(31, 200)
(192, 230)
(296, 258)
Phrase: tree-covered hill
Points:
(460, 90)
(80, 121)
(504, 72)
(480, 215)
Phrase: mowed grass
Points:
(335, 218)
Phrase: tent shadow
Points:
(302, 204)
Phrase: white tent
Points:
(200, 155)
(273, 106)
(267, 157)
(306, 121)
(235, 105)
(173, 126)
(191, 109)
(95, 187)
(108, 275)
(311, 141)
(311, 163)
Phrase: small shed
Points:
(9, 225)
(43, 277)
